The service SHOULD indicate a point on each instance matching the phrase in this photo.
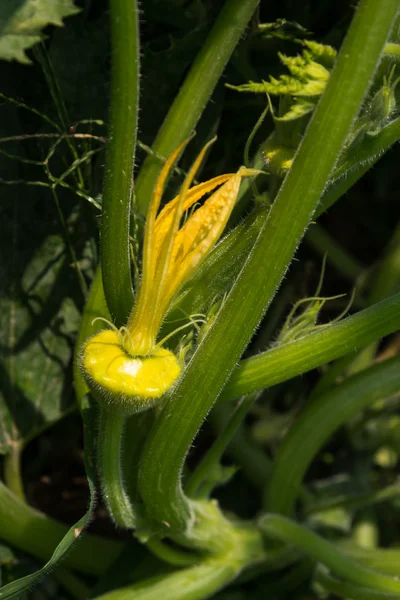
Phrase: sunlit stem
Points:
(109, 461)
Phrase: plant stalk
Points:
(118, 178)
(284, 362)
(214, 360)
(12, 471)
(344, 589)
(327, 553)
(318, 421)
(109, 466)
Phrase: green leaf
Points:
(22, 21)
(321, 53)
(38, 320)
(282, 29)
(216, 275)
(309, 73)
(299, 108)
(16, 588)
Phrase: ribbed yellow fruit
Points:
(127, 384)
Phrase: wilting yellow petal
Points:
(165, 218)
(201, 231)
(149, 256)
(146, 319)
(172, 253)
(165, 249)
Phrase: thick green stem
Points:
(344, 589)
(318, 422)
(239, 547)
(386, 560)
(287, 361)
(170, 555)
(194, 94)
(118, 179)
(194, 583)
(35, 533)
(109, 465)
(136, 428)
(326, 553)
(161, 465)
(356, 162)
(12, 471)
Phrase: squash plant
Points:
(187, 323)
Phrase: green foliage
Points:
(379, 111)
(22, 21)
(39, 320)
(271, 467)
(309, 73)
(299, 93)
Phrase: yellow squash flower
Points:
(127, 369)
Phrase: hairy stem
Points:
(318, 422)
(118, 179)
(286, 361)
(356, 162)
(12, 471)
(161, 464)
(109, 463)
(326, 553)
(344, 589)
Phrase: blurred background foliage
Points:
(53, 116)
